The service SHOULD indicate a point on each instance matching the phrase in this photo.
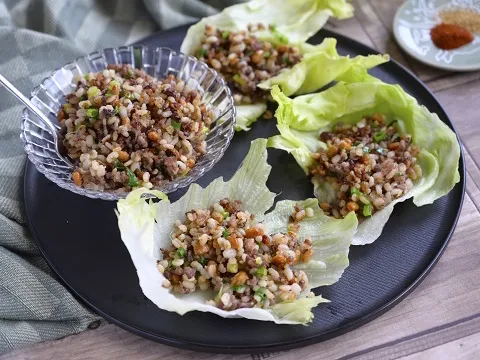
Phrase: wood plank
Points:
(350, 28)
(473, 179)
(452, 80)
(460, 104)
(465, 348)
(377, 32)
(453, 286)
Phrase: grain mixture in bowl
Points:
(244, 60)
(221, 248)
(369, 164)
(125, 129)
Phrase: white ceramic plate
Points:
(411, 28)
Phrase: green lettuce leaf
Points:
(331, 239)
(301, 120)
(320, 66)
(145, 228)
(295, 21)
(299, 311)
(247, 114)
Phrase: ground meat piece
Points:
(171, 166)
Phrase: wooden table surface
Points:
(438, 320)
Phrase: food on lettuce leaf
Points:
(368, 164)
(147, 228)
(259, 44)
(367, 146)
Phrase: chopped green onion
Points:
(130, 96)
(113, 83)
(219, 294)
(286, 60)
(232, 267)
(206, 130)
(381, 135)
(363, 199)
(237, 287)
(226, 233)
(86, 76)
(367, 210)
(398, 173)
(355, 191)
(117, 110)
(261, 271)
(181, 252)
(176, 125)
(281, 38)
(238, 79)
(225, 214)
(92, 113)
(267, 54)
(366, 149)
(130, 73)
(132, 178)
(83, 98)
(93, 91)
(356, 143)
(225, 34)
(67, 106)
(117, 164)
(203, 261)
(169, 264)
(278, 36)
(393, 122)
(201, 53)
(261, 293)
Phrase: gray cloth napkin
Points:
(35, 38)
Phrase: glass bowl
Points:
(157, 62)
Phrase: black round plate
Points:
(80, 239)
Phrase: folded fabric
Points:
(37, 37)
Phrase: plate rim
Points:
(313, 339)
(406, 48)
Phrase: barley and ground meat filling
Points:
(221, 248)
(244, 60)
(125, 129)
(369, 164)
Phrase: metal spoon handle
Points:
(10, 87)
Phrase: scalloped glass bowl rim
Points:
(169, 187)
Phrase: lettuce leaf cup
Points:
(370, 145)
(146, 228)
(258, 44)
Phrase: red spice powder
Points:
(450, 36)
